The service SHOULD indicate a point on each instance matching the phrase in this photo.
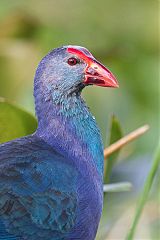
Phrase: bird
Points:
(51, 182)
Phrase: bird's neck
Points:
(66, 123)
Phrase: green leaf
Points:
(14, 122)
(115, 134)
(145, 193)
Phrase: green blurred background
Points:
(123, 36)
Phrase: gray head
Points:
(66, 71)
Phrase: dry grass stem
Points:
(125, 140)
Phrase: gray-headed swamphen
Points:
(51, 182)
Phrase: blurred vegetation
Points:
(14, 122)
(115, 134)
(124, 36)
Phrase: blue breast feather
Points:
(4, 235)
(37, 191)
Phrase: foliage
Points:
(14, 122)
(147, 187)
(115, 134)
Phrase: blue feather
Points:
(4, 235)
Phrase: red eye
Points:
(72, 61)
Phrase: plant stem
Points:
(145, 194)
(126, 139)
(117, 187)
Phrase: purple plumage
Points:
(51, 182)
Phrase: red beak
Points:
(97, 74)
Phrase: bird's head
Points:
(68, 69)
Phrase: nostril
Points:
(92, 71)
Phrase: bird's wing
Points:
(37, 190)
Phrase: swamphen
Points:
(51, 182)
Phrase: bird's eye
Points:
(72, 61)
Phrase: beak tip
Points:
(117, 85)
